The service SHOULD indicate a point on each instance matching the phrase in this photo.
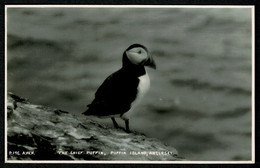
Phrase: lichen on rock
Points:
(35, 132)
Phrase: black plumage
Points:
(115, 95)
(119, 90)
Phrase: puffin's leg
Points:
(114, 122)
(127, 126)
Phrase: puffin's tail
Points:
(89, 111)
(96, 109)
(85, 112)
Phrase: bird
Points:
(123, 90)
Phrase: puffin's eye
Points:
(139, 52)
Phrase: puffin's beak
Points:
(150, 62)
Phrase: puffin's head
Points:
(138, 54)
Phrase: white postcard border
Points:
(252, 7)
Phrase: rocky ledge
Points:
(36, 132)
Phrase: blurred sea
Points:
(200, 96)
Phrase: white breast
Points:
(143, 87)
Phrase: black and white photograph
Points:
(129, 84)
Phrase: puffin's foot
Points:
(127, 126)
(127, 130)
(114, 122)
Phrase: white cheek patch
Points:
(136, 58)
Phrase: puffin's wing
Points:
(110, 84)
(114, 96)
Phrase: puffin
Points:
(123, 90)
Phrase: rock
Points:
(40, 133)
